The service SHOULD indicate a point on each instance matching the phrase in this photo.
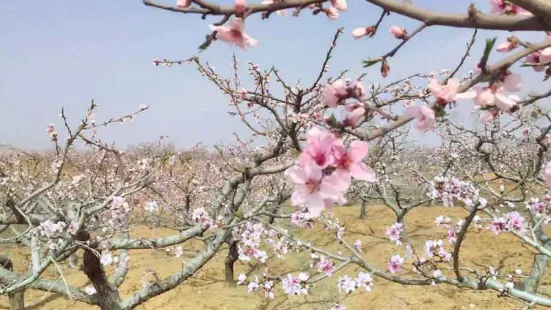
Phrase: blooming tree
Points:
(321, 143)
(335, 150)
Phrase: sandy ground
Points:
(207, 289)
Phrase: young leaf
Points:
(370, 62)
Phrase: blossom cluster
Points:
(323, 171)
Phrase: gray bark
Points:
(108, 295)
(17, 298)
(539, 265)
(230, 261)
(363, 210)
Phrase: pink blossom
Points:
(240, 6)
(358, 245)
(347, 284)
(394, 233)
(364, 280)
(506, 46)
(349, 107)
(535, 58)
(395, 264)
(493, 96)
(452, 236)
(362, 32)
(319, 150)
(234, 34)
(435, 249)
(505, 7)
(334, 93)
(326, 266)
(424, 115)
(349, 162)
(354, 117)
(332, 13)
(488, 116)
(444, 93)
(183, 3)
(397, 32)
(339, 4)
(545, 55)
(512, 82)
(295, 286)
(312, 188)
(342, 90)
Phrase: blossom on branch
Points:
(234, 34)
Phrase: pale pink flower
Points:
(545, 55)
(506, 46)
(319, 149)
(326, 266)
(394, 233)
(294, 286)
(354, 117)
(364, 280)
(362, 32)
(240, 6)
(183, 3)
(491, 96)
(234, 34)
(512, 82)
(535, 58)
(424, 114)
(497, 6)
(241, 279)
(505, 7)
(312, 188)
(397, 32)
(73, 228)
(547, 173)
(349, 162)
(334, 93)
(444, 93)
(395, 264)
(349, 107)
(341, 90)
(358, 245)
(339, 4)
(332, 13)
(346, 284)
(452, 236)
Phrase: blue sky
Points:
(57, 54)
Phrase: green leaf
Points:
(489, 47)
(371, 62)
(208, 41)
(440, 113)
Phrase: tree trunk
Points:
(230, 260)
(532, 282)
(108, 295)
(539, 265)
(363, 210)
(271, 220)
(16, 299)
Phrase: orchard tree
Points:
(335, 149)
(311, 156)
